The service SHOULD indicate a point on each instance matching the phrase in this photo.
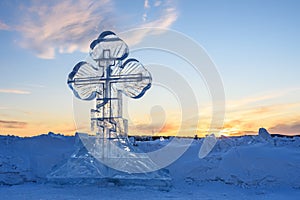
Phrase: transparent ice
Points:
(107, 153)
(106, 80)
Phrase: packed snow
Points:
(247, 167)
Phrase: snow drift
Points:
(248, 161)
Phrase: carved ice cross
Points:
(106, 80)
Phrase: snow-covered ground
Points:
(249, 167)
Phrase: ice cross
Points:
(105, 80)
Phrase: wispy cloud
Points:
(166, 20)
(166, 15)
(146, 8)
(146, 4)
(63, 26)
(248, 120)
(293, 128)
(12, 124)
(260, 98)
(157, 3)
(156, 129)
(47, 28)
(145, 128)
(4, 26)
(144, 16)
(14, 91)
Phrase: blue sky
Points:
(254, 44)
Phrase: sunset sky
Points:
(254, 44)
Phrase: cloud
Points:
(293, 128)
(166, 17)
(253, 100)
(146, 4)
(4, 26)
(157, 3)
(146, 8)
(50, 27)
(249, 114)
(169, 129)
(12, 124)
(144, 16)
(14, 91)
(156, 129)
(239, 127)
(240, 122)
(3, 108)
(63, 26)
(262, 113)
(146, 128)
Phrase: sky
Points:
(253, 44)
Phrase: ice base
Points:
(83, 167)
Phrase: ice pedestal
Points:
(86, 166)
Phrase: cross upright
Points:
(105, 81)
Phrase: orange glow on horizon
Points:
(240, 120)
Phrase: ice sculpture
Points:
(108, 155)
(106, 82)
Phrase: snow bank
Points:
(248, 161)
(31, 159)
